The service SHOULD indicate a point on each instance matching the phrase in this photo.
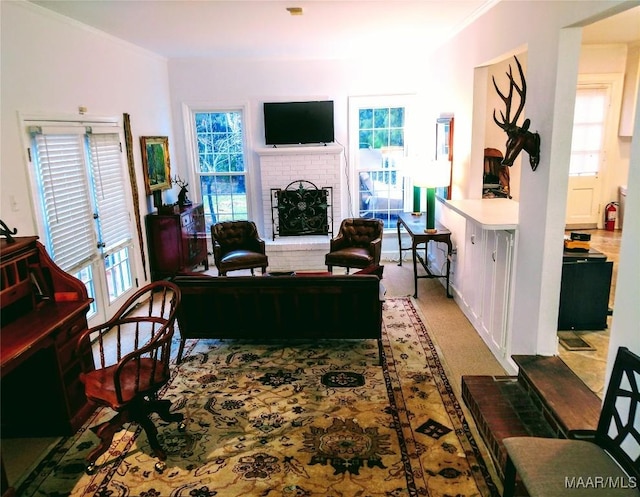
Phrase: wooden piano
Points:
(43, 311)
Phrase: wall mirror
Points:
(444, 150)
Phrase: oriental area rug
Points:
(291, 419)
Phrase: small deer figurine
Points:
(519, 138)
(182, 195)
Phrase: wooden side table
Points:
(415, 225)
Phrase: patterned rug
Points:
(291, 419)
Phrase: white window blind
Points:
(64, 196)
(588, 131)
(109, 194)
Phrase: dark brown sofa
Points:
(277, 307)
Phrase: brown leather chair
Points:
(237, 245)
(131, 353)
(357, 245)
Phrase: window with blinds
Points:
(84, 210)
(589, 121)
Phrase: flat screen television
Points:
(298, 123)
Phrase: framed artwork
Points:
(156, 164)
(444, 150)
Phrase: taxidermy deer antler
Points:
(518, 137)
(182, 195)
(176, 180)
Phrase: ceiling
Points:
(326, 28)
(265, 29)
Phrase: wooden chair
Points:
(357, 245)
(237, 245)
(604, 462)
(131, 353)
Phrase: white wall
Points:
(553, 50)
(252, 82)
(51, 65)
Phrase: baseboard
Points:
(581, 226)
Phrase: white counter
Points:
(490, 214)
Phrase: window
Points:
(220, 166)
(589, 122)
(84, 212)
(382, 145)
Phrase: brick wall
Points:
(278, 168)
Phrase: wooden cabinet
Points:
(177, 242)
(584, 291)
(43, 313)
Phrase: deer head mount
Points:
(519, 137)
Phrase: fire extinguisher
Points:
(610, 215)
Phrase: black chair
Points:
(131, 353)
(604, 462)
(237, 245)
(357, 245)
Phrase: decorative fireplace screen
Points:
(301, 209)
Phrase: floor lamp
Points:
(432, 175)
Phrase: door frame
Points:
(614, 83)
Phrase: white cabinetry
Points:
(498, 263)
(487, 250)
(473, 271)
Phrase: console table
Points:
(414, 225)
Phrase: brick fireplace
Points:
(320, 165)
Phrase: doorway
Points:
(613, 41)
(596, 117)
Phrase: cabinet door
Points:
(165, 245)
(496, 287)
(473, 270)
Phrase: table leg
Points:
(399, 243)
(414, 250)
(449, 246)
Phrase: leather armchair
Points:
(357, 245)
(237, 245)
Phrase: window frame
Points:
(189, 111)
(355, 104)
(97, 263)
(603, 91)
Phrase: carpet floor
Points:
(294, 418)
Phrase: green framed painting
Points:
(156, 163)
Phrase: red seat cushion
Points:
(100, 385)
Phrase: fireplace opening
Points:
(301, 208)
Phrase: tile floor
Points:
(590, 365)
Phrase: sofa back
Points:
(264, 307)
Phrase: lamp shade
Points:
(432, 174)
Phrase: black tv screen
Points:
(296, 123)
